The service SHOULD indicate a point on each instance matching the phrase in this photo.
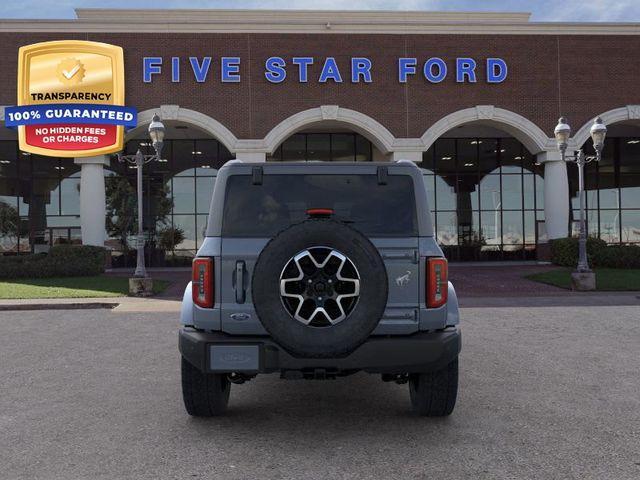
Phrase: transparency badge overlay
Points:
(71, 99)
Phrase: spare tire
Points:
(319, 288)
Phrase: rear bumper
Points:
(420, 352)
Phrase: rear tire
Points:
(433, 394)
(204, 394)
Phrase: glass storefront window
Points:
(445, 197)
(183, 189)
(188, 225)
(429, 183)
(530, 227)
(490, 195)
(512, 228)
(487, 198)
(467, 192)
(204, 191)
(529, 191)
(8, 159)
(491, 225)
(609, 226)
(70, 196)
(364, 149)
(294, 148)
(512, 192)
(318, 147)
(630, 222)
(511, 155)
(612, 190)
(447, 228)
(487, 158)
(445, 157)
(630, 190)
(182, 157)
(467, 154)
(337, 147)
(343, 147)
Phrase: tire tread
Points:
(433, 394)
(204, 394)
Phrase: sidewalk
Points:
(117, 304)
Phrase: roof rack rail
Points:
(404, 161)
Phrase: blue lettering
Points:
(406, 66)
(175, 69)
(200, 71)
(303, 64)
(230, 69)
(465, 67)
(151, 66)
(428, 70)
(330, 71)
(275, 69)
(360, 67)
(496, 70)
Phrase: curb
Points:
(57, 306)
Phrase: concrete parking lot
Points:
(551, 392)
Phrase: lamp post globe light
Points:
(141, 283)
(583, 278)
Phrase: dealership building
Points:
(471, 98)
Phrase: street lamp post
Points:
(562, 133)
(156, 133)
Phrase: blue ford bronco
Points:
(319, 270)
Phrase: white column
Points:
(407, 155)
(556, 194)
(93, 208)
(251, 156)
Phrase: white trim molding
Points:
(622, 114)
(192, 117)
(373, 130)
(531, 136)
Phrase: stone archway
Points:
(374, 131)
(521, 128)
(617, 115)
(192, 117)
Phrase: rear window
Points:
(281, 200)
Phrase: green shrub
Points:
(564, 252)
(61, 261)
(618, 256)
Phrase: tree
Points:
(9, 221)
(122, 208)
(170, 237)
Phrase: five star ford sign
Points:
(70, 99)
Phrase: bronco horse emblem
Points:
(403, 279)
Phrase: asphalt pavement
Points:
(545, 392)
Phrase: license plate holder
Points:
(234, 358)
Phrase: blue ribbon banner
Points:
(70, 113)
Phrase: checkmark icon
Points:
(71, 73)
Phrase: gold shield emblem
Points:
(71, 72)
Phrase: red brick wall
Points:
(578, 76)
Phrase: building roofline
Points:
(285, 15)
(310, 21)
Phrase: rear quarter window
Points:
(282, 200)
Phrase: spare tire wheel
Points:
(319, 288)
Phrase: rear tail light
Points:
(202, 282)
(320, 212)
(437, 282)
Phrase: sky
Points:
(542, 10)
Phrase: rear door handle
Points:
(412, 256)
(239, 277)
